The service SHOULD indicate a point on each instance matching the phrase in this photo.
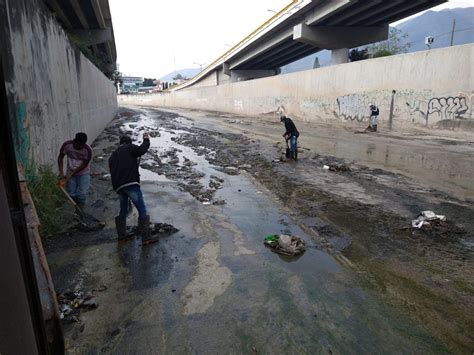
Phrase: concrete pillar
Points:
(226, 68)
(339, 56)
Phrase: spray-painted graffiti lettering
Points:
(22, 139)
(448, 108)
(439, 108)
(352, 107)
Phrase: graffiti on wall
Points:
(352, 107)
(409, 106)
(448, 108)
(439, 108)
(22, 139)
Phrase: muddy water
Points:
(214, 287)
(442, 163)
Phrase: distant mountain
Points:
(187, 73)
(324, 58)
(437, 24)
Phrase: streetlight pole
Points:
(200, 65)
(452, 32)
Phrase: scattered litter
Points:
(71, 304)
(326, 167)
(219, 203)
(104, 177)
(425, 218)
(285, 244)
(206, 203)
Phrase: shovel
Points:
(87, 222)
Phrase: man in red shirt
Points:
(79, 155)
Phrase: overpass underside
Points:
(329, 25)
(336, 25)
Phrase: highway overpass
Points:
(305, 27)
(91, 22)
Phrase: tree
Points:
(395, 44)
(116, 78)
(148, 82)
(178, 77)
(359, 54)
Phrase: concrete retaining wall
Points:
(53, 90)
(433, 88)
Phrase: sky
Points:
(157, 37)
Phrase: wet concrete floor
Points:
(214, 287)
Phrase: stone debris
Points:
(231, 170)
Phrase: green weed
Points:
(48, 199)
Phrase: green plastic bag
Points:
(271, 240)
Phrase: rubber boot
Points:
(144, 230)
(375, 128)
(121, 226)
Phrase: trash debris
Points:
(206, 203)
(425, 218)
(285, 244)
(326, 167)
(71, 304)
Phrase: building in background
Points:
(131, 84)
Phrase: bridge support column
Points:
(339, 56)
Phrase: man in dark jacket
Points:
(374, 114)
(123, 165)
(291, 134)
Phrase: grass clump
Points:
(48, 199)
